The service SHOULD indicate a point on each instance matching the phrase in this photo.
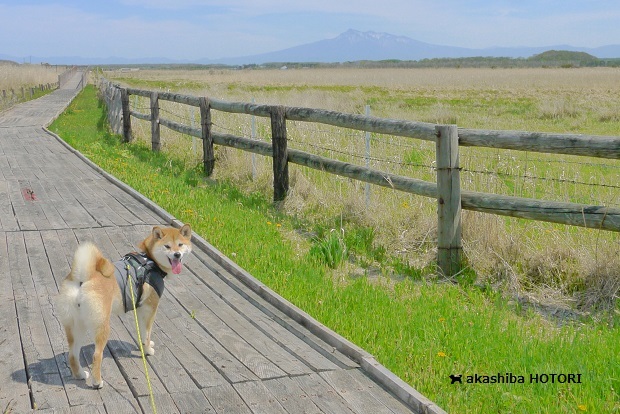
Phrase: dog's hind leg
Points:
(75, 345)
(101, 339)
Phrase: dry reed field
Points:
(15, 76)
(542, 263)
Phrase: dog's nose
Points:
(177, 255)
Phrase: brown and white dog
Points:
(96, 288)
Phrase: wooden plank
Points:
(224, 399)
(269, 321)
(73, 213)
(290, 396)
(213, 352)
(8, 221)
(78, 409)
(322, 394)
(595, 217)
(571, 144)
(346, 347)
(365, 383)
(256, 338)
(258, 398)
(420, 130)
(93, 203)
(197, 365)
(192, 402)
(47, 202)
(16, 397)
(125, 205)
(163, 403)
(41, 367)
(226, 336)
(164, 363)
(357, 397)
(32, 208)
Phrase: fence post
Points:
(280, 153)
(449, 245)
(155, 144)
(126, 115)
(207, 139)
(253, 136)
(367, 140)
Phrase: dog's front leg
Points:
(146, 316)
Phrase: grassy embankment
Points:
(422, 331)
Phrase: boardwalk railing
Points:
(448, 138)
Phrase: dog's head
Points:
(167, 247)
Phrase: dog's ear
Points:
(158, 233)
(186, 231)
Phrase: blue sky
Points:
(194, 29)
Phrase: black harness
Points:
(138, 268)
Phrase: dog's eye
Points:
(180, 244)
(167, 246)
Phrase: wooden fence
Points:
(11, 96)
(447, 138)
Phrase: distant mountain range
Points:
(352, 45)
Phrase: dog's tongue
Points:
(176, 266)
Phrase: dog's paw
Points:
(150, 348)
(82, 375)
(96, 385)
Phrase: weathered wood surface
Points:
(449, 244)
(224, 342)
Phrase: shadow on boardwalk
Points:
(225, 343)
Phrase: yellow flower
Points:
(441, 354)
(278, 225)
(582, 407)
(269, 223)
(442, 319)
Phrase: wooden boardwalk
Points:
(224, 342)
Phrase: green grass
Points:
(422, 331)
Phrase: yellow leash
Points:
(135, 315)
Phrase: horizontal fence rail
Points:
(597, 217)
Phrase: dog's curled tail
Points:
(89, 259)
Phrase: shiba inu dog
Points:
(96, 288)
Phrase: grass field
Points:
(421, 330)
(566, 267)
